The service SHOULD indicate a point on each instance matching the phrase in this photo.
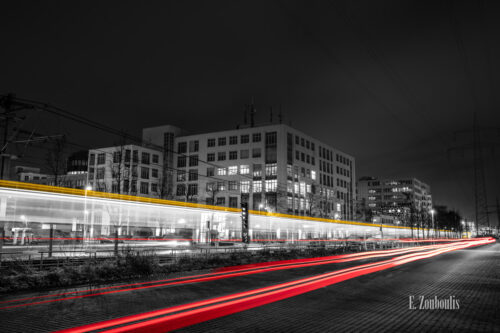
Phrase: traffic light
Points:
(245, 235)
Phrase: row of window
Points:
(182, 161)
(293, 172)
(269, 169)
(342, 183)
(125, 155)
(343, 172)
(116, 173)
(194, 146)
(233, 139)
(326, 166)
(245, 186)
(306, 158)
(221, 201)
(144, 187)
(343, 160)
(304, 143)
(233, 155)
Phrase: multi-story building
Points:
(393, 197)
(272, 167)
(126, 169)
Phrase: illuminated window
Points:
(296, 188)
(289, 171)
(289, 186)
(271, 169)
(244, 169)
(308, 188)
(221, 186)
(313, 175)
(221, 171)
(271, 185)
(371, 198)
(302, 188)
(232, 170)
(245, 186)
(257, 186)
(289, 201)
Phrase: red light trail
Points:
(189, 314)
(223, 273)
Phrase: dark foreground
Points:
(378, 301)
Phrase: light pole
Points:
(432, 211)
(86, 229)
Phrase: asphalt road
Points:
(378, 301)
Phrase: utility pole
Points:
(480, 191)
(6, 103)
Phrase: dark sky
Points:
(386, 81)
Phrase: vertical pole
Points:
(5, 134)
(51, 239)
(116, 243)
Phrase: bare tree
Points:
(56, 158)
(212, 191)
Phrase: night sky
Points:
(386, 81)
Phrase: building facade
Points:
(274, 167)
(126, 169)
(393, 197)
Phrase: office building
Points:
(273, 167)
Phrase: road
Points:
(362, 292)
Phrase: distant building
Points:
(393, 197)
(76, 172)
(127, 169)
(273, 167)
(28, 174)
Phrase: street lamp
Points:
(432, 211)
(85, 213)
